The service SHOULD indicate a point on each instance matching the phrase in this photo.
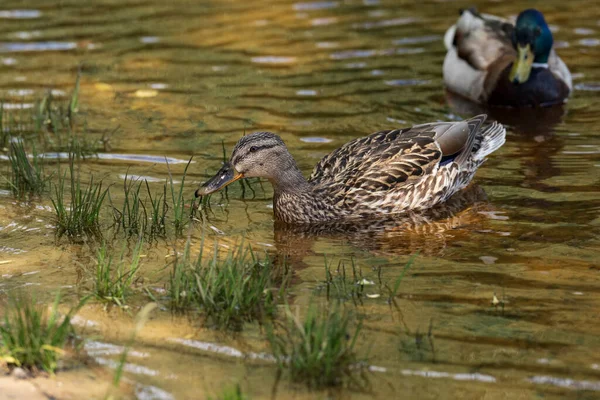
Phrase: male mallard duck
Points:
(388, 172)
(491, 61)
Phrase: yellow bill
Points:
(522, 66)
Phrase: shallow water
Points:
(180, 79)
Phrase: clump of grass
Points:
(228, 291)
(113, 278)
(132, 217)
(233, 393)
(32, 337)
(319, 351)
(82, 216)
(51, 125)
(158, 212)
(235, 290)
(180, 217)
(182, 279)
(26, 177)
(54, 123)
(340, 285)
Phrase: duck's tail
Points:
(491, 138)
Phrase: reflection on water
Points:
(507, 276)
(424, 233)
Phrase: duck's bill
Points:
(522, 66)
(226, 175)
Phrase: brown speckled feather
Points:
(386, 173)
(394, 171)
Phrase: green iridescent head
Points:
(533, 41)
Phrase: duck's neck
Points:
(289, 180)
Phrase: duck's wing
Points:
(479, 49)
(384, 169)
(558, 67)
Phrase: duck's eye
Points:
(253, 149)
(537, 31)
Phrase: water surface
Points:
(180, 78)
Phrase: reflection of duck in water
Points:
(428, 233)
(386, 173)
(492, 62)
(535, 123)
(532, 134)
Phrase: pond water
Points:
(184, 78)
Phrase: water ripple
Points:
(317, 5)
(588, 86)
(273, 60)
(315, 139)
(221, 349)
(459, 377)
(406, 82)
(416, 40)
(566, 383)
(346, 54)
(124, 157)
(589, 42)
(12, 47)
(149, 392)
(385, 23)
(20, 14)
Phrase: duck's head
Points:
(260, 154)
(533, 41)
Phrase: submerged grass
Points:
(82, 215)
(340, 285)
(233, 393)
(228, 290)
(33, 337)
(178, 214)
(158, 212)
(132, 216)
(26, 177)
(319, 351)
(51, 124)
(154, 214)
(113, 278)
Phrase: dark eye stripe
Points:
(266, 146)
(255, 149)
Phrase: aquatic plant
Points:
(232, 393)
(340, 286)
(50, 124)
(319, 351)
(182, 279)
(33, 337)
(132, 216)
(158, 212)
(113, 278)
(82, 215)
(228, 290)
(178, 214)
(26, 177)
(418, 346)
(393, 290)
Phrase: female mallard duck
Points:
(490, 61)
(388, 172)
